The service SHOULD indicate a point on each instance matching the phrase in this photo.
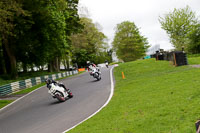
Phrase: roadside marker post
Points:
(123, 77)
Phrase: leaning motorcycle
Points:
(58, 92)
(95, 72)
(106, 64)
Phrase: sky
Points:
(144, 13)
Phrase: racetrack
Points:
(38, 112)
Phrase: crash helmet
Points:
(48, 81)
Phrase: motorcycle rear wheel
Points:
(60, 97)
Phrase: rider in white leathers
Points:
(49, 81)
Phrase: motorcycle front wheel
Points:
(70, 95)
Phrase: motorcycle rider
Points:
(106, 62)
(90, 65)
(49, 81)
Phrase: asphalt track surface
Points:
(38, 112)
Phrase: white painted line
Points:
(111, 94)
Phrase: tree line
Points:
(46, 33)
(128, 42)
(38, 33)
(182, 26)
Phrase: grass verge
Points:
(25, 91)
(5, 102)
(154, 97)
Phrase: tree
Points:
(35, 32)
(128, 43)
(178, 24)
(2, 60)
(66, 24)
(41, 36)
(9, 11)
(194, 37)
(46, 39)
(87, 44)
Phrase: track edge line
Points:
(111, 94)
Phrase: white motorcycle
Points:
(95, 72)
(58, 92)
(106, 64)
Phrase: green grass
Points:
(193, 55)
(25, 91)
(154, 97)
(3, 81)
(4, 103)
(194, 60)
(113, 63)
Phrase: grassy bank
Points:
(154, 97)
(194, 60)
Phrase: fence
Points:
(19, 85)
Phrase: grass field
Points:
(154, 97)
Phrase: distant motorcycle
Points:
(106, 64)
(58, 92)
(95, 72)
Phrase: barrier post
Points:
(123, 77)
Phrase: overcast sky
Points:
(144, 13)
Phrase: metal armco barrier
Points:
(19, 85)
